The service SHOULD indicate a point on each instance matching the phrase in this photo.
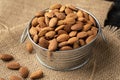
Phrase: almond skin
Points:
(95, 30)
(39, 14)
(72, 15)
(62, 32)
(55, 6)
(67, 28)
(37, 74)
(76, 44)
(92, 20)
(71, 7)
(50, 34)
(65, 43)
(72, 40)
(29, 47)
(68, 11)
(90, 32)
(86, 27)
(15, 78)
(62, 37)
(65, 48)
(13, 65)
(59, 27)
(80, 13)
(33, 31)
(35, 38)
(53, 22)
(34, 22)
(53, 45)
(86, 15)
(62, 9)
(6, 57)
(77, 26)
(73, 33)
(82, 42)
(60, 15)
(24, 72)
(69, 21)
(43, 42)
(90, 38)
(82, 34)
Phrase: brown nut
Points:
(87, 27)
(35, 38)
(53, 45)
(95, 30)
(60, 15)
(62, 37)
(72, 15)
(29, 47)
(24, 72)
(68, 11)
(41, 19)
(80, 13)
(37, 74)
(65, 48)
(72, 40)
(69, 21)
(61, 22)
(49, 14)
(62, 32)
(77, 26)
(50, 34)
(82, 42)
(65, 43)
(86, 15)
(59, 27)
(43, 42)
(53, 22)
(71, 7)
(47, 20)
(73, 33)
(40, 14)
(55, 6)
(15, 78)
(35, 22)
(33, 31)
(82, 19)
(67, 28)
(13, 65)
(90, 38)
(92, 20)
(82, 34)
(76, 44)
(62, 9)
(6, 57)
(90, 32)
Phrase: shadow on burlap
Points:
(14, 17)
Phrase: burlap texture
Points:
(15, 14)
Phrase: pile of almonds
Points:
(24, 72)
(62, 27)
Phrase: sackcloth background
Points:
(14, 16)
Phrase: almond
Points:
(13, 65)
(72, 15)
(33, 31)
(71, 7)
(62, 9)
(90, 32)
(77, 26)
(76, 45)
(65, 48)
(62, 32)
(43, 42)
(72, 40)
(61, 22)
(53, 22)
(39, 14)
(90, 38)
(67, 28)
(38, 28)
(37, 74)
(68, 11)
(80, 13)
(65, 43)
(15, 78)
(82, 34)
(62, 37)
(69, 21)
(87, 27)
(29, 47)
(24, 72)
(73, 33)
(86, 15)
(35, 38)
(60, 15)
(94, 30)
(92, 20)
(55, 6)
(82, 42)
(35, 22)
(53, 45)
(41, 19)
(82, 19)
(54, 11)
(59, 27)
(49, 14)
(47, 20)
(50, 34)
(44, 31)
(6, 57)
(2, 79)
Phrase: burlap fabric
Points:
(15, 14)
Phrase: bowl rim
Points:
(97, 23)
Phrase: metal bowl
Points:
(64, 60)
